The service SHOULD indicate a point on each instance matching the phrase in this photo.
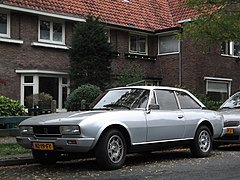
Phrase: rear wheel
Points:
(45, 157)
(111, 150)
(202, 143)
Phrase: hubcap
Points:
(115, 149)
(204, 141)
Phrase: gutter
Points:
(42, 13)
(184, 21)
(130, 27)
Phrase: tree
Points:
(131, 75)
(90, 55)
(216, 21)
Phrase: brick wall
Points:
(25, 56)
(120, 42)
(196, 63)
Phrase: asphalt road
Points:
(174, 164)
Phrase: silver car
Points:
(124, 120)
(230, 109)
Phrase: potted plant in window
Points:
(38, 103)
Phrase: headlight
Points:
(24, 130)
(69, 130)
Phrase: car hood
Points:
(231, 114)
(66, 118)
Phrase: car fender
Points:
(94, 126)
(106, 126)
(205, 121)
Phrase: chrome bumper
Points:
(60, 144)
(232, 130)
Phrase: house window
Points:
(231, 48)
(4, 25)
(138, 44)
(218, 88)
(35, 83)
(168, 44)
(51, 32)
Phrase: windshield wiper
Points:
(116, 105)
(226, 107)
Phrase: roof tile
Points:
(143, 14)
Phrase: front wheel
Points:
(111, 150)
(202, 143)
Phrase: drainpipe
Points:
(180, 65)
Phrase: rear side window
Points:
(186, 102)
(166, 100)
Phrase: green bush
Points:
(210, 104)
(87, 93)
(9, 107)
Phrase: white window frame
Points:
(108, 33)
(7, 35)
(35, 84)
(168, 53)
(229, 46)
(146, 44)
(219, 80)
(51, 41)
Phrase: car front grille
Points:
(231, 123)
(46, 131)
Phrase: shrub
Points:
(42, 100)
(87, 92)
(9, 107)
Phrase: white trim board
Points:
(15, 8)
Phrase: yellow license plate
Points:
(230, 130)
(43, 146)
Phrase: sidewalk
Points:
(14, 159)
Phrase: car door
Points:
(192, 112)
(167, 122)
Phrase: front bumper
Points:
(230, 135)
(60, 144)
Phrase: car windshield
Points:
(124, 99)
(232, 102)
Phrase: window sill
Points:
(230, 56)
(49, 45)
(172, 53)
(13, 41)
(138, 56)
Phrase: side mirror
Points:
(153, 106)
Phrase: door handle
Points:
(180, 116)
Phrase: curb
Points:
(17, 161)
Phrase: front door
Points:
(167, 122)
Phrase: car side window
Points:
(141, 100)
(166, 100)
(186, 102)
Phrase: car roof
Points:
(150, 88)
(161, 87)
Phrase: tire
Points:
(111, 150)
(202, 143)
(44, 157)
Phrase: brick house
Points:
(35, 37)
